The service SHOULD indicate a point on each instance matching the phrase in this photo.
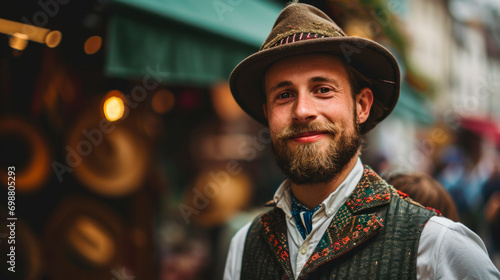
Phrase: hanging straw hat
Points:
(110, 161)
(27, 150)
(303, 29)
(223, 200)
(84, 239)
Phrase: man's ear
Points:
(265, 110)
(364, 102)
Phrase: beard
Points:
(307, 163)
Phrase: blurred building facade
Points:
(454, 46)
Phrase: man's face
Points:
(312, 117)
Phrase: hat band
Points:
(298, 37)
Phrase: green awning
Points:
(196, 41)
(412, 106)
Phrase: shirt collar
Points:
(282, 196)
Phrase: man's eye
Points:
(323, 90)
(284, 95)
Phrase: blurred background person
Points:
(427, 191)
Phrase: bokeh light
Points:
(92, 44)
(113, 108)
(163, 101)
(224, 104)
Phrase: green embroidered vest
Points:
(374, 235)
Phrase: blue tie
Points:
(302, 216)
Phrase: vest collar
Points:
(359, 219)
(370, 192)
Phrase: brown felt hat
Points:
(303, 29)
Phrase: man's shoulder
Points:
(257, 222)
(271, 216)
(252, 228)
(450, 250)
(241, 234)
(445, 225)
(374, 181)
(448, 236)
(373, 191)
(412, 204)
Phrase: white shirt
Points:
(460, 255)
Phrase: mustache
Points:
(297, 129)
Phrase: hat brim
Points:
(367, 57)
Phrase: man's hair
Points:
(358, 82)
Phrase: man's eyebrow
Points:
(313, 79)
(280, 85)
(325, 79)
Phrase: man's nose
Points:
(304, 109)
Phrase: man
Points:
(319, 90)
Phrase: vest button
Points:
(303, 251)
